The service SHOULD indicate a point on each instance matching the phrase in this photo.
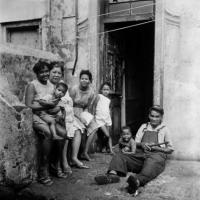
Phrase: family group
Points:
(62, 114)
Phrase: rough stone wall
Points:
(17, 145)
(18, 150)
(181, 77)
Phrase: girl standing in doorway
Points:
(102, 115)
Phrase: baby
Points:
(127, 144)
(57, 113)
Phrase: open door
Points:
(113, 72)
(128, 66)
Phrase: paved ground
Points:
(180, 181)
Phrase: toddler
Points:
(127, 144)
(57, 112)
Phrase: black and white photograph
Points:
(99, 99)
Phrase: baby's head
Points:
(126, 133)
(105, 89)
(60, 90)
(156, 113)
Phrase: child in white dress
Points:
(102, 114)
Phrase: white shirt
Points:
(163, 134)
(102, 115)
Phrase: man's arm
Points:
(162, 149)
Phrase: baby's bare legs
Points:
(52, 125)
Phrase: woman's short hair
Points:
(39, 66)
(57, 65)
(86, 72)
(157, 108)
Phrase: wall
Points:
(22, 10)
(18, 160)
(74, 36)
(64, 33)
(181, 76)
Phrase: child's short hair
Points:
(126, 127)
(62, 84)
(105, 83)
(157, 108)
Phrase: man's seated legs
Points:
(119, 166)
(154, 164)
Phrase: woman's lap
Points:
(42, 128)
(93, 126)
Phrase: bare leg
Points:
(45, 145)
(52, 127)
(75, 147)
(61, 131)
(107, 134)
(87, 145)
(65, 165)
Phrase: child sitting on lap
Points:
(57, 113)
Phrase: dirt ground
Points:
(179, 181)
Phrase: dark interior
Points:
(136, 46)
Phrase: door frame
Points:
(159, 46)
(158, 86)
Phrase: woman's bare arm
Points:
(29, 97)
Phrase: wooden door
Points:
(112, 72)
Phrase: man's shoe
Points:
(103, 179)
(133, 185)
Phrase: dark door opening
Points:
(135, 47)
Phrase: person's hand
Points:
(54, 110)
(60, 119)
(55, 101)
(42, 102)
(123, 151)
(146, 146)
(155, 148)
(83, 121)
(48, 104)
(160, 149)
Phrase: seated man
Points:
(153, 145)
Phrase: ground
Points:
(179, 181)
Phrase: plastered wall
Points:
(182, 76)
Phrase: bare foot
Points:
(86, 157)
(112, 152)
(67, 170)
(76, 161)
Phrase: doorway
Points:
(133, 50)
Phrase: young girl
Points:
(127, 144)
(102, 114)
